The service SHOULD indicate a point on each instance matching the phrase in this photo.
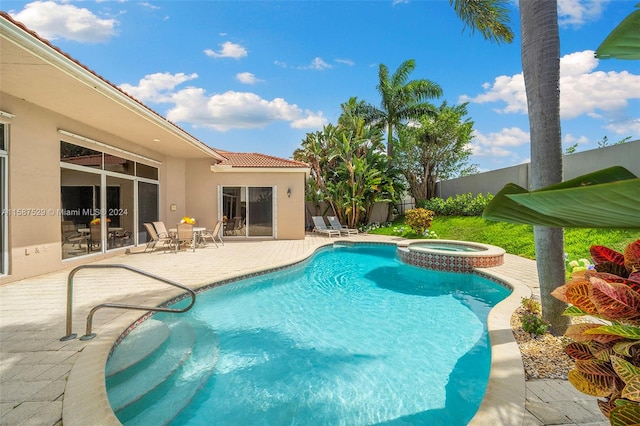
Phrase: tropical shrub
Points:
(460, 205)
(534, 324)
(607, 353)
(531, 305)
(531, 319)
(419, 220)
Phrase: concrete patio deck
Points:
(41, 376)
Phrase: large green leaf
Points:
(624, 415)
(604, 199)
(625, 370)
(624, 41)
(625, 331)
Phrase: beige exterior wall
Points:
(202, 190)
(34, 240)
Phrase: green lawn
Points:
(516, 239)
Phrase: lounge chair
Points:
(321, 227)
(214, 234)
(154, 238)
(335, 224)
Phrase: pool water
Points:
(350, 337)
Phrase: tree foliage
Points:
(401, 99)
(435, 147)
(349, 168)
(490, 17)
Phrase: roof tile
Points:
(244, 159)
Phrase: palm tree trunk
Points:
(541, 69)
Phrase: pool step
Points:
(139, 344)
(126, 388)
(155, 390)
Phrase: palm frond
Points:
(490, 17)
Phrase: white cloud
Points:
(247, 78)
(569, 139)
(52, 20)
(506, 89)
(234, 110)
(583, 91)
(348, 62)
(317, 64)
(499, 144)
(157, 87)
(228, 50)
(148, 5)
(625, 127)
(312, 120)
(579, 12)
(221, 112)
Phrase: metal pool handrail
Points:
(90, 335)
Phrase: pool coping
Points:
(85, 398)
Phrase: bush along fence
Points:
(460, 205)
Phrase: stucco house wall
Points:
(34, 239)
(289, 212)
(47, 97)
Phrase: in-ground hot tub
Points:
(450, 255)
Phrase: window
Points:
(4, 188)
(103, 201)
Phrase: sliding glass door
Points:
(260, 223)
(148, 210)
(248, 211)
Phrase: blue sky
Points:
(257, 76)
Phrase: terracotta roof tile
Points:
(244, 159)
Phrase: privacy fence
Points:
(626, 155)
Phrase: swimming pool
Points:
(378, 341)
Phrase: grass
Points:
(515, 239)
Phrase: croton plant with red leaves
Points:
(607, 352)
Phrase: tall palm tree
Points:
(541, 70)
(401, 99)
(540, 51)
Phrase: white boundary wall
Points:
(626, 155)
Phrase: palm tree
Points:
(401, 99)
(541, 70)
(540, 51)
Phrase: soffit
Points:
(50, 79)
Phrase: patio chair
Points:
(71, 235)
(184, 234)
(154, 238)
(161, 229)
(214, 234)
(95, 236)
(321, 227)
(335, 224)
